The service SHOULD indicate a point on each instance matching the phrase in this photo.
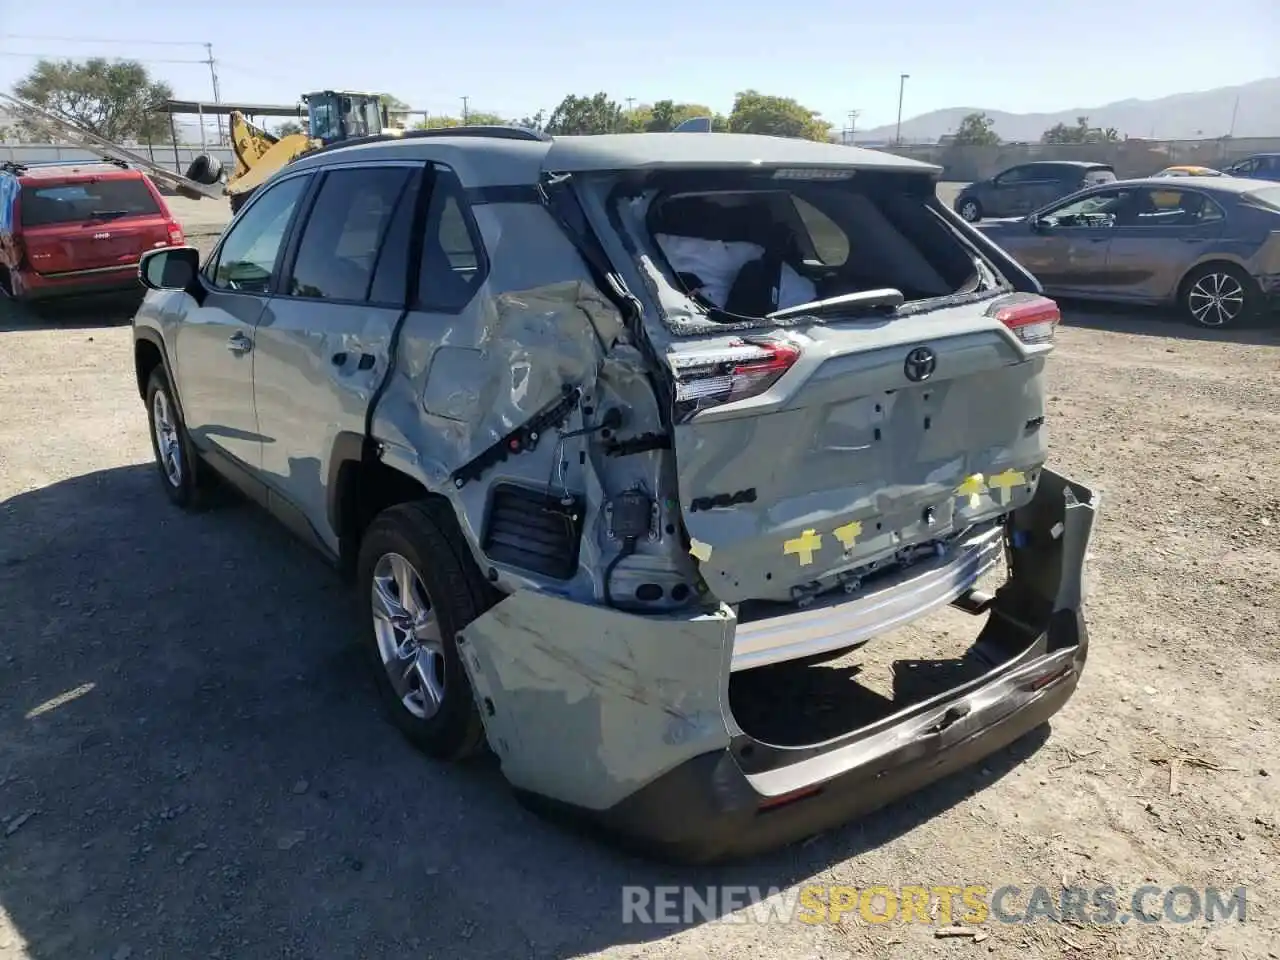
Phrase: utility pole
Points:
(217, 93)
(902, 82)
(466, 116)
(853, 121)
(631, 104)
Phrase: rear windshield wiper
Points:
(107, 214)
(865, 301)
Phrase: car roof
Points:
(505, 158)
(1218, 184)
(33, 173)
(1085, 164)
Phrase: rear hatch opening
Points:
(750, 249)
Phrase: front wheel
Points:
(1219, 295)
(420, 590)
(969, 209)
(175, 456)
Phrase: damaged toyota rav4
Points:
(605, 429)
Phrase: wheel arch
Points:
(1209, 260)
(149, 352)
(360, 486)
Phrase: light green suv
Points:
(607, 429)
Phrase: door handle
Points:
(239, 343)
(1099, 239)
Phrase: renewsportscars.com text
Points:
(968, 904)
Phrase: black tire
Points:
(425, 534)
(1219, 295)
(205, 169)
(238, 200)
(969, 208)
(187, 489)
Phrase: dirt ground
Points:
(193, 764)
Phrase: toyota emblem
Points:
(920, 364)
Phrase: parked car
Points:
(1209, 245)
(71, 229)
(1028, 186)
(608, 430)
(1188, 171)
(1261, 166)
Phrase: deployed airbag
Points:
(716, 264)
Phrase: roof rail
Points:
(494, 132)
(22, 166)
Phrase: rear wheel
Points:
(421, 589)
(969, 209)
(1219, 295)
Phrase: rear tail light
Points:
(743, 369)
(176, 239)
(1033, 320)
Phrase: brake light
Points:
(1034, 320)
(176, 239)
(735, 372)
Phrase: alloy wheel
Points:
(408, 634)
(1216, 299)
(167, 438)
(969, 211)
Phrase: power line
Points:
(61, 56)
(154, 43)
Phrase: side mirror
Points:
(170, 268)
(1037, 225)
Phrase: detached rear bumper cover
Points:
(623, 721)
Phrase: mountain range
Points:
(1254, 107)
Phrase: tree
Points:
(289, 128)
(1080, 133)
(476, 118)
(755, 112)
(537, 122)
(585, 115)
(976, 130)
(117, 100)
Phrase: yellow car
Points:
(1189, 171)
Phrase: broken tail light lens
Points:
(1033, 320)
(706, 378)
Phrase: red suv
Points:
(69, 229)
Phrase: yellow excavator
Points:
(332, 117)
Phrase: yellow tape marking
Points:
(973, 488)
(849, 533)
(803, 546)
(699, 550)
(1006, 481)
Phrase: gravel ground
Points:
(192, 762)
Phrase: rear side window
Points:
(338, 252)
(453, 265)
(1093, 177)
(77, 202)
(830, 243)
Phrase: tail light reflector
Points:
(735, 372)
(1033, 320)
(176, 238)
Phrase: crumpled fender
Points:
(586, 704)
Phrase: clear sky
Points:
(513, 58)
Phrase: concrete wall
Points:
(1131, 158)
(162, 155)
